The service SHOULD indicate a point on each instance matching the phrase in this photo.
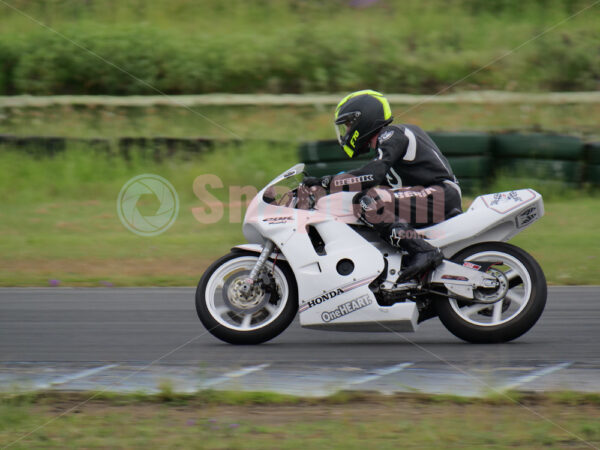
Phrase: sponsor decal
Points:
(527, 216)
(353, 180)
(422, 193)
(278, 220)
(504, 202)
(393, 179)
(386, 135)
(454, 277)
(470, 265)
(333, 293)
(504, 197)
(354, 138)
(289, 173)
(346, 308)
(320, 299)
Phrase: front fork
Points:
(246, 287)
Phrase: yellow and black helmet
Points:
(358, 117)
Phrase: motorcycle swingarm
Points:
(460, 280)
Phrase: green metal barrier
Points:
(477, 157)
(592, 172)
(538, 146)
(462, 143)
(544, 169)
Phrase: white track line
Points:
(378, 373)
(235, 374)
(519, 381)
(75, 376)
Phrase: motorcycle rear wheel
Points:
(511, 316)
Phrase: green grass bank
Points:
(59, 220)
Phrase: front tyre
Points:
(246, 319)
(511, 316)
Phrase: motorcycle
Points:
(314, 256)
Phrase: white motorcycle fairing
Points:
(328, 299)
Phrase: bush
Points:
(293, 47)
(103, 62)
(567, 59)
(8, 60)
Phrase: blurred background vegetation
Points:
(295, 46)
(58, 219)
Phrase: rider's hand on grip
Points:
(318, 181)
(311, 190)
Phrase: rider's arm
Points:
(391, 146)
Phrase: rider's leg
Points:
(392, 212)
(422, 255)
(422, 207)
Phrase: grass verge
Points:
(289, 123)
(59, 223)
(255, 420)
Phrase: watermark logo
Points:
(146, 223)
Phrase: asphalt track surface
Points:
(145, 324)
(87, 329)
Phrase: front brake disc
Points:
(239, 303)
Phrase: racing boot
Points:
(423, 256)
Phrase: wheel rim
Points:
(227, 308)
(511, 305)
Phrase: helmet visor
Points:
(341, 130)
(343, 124)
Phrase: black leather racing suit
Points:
(409, 182)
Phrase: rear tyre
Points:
(511, 316)
(246, 320)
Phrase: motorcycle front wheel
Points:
(246, 319)
(512, 315)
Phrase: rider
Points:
(406, 156)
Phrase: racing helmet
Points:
(358, 117)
